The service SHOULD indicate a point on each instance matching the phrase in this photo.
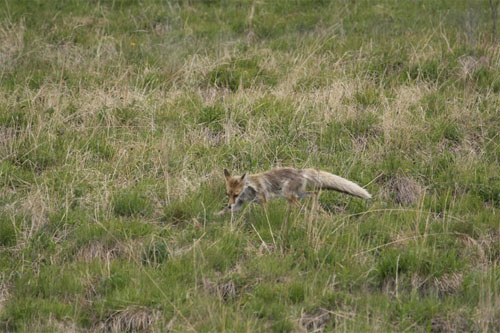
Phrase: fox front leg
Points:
(222, 212)
(261, 198)
(233, 208)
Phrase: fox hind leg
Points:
(292, 199)
(292, 191)
(310, 194)
(307, 194)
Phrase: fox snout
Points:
(232, 199)
(233, 202)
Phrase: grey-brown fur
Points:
(284, 182)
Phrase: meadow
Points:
(117, 118)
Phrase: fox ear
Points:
(244, 177)
(226, 173)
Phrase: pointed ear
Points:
(227, 174)
(244, 177)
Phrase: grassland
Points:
(117, 118)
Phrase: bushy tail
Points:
(328, 181)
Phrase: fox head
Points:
(234, 187)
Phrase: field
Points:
(118, 117)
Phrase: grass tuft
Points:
(131, 203)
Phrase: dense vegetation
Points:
(117, 118)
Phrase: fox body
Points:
(290, 183)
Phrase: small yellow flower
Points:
(132, 44)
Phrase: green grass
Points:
(118, 117)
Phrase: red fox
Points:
(285, 182)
